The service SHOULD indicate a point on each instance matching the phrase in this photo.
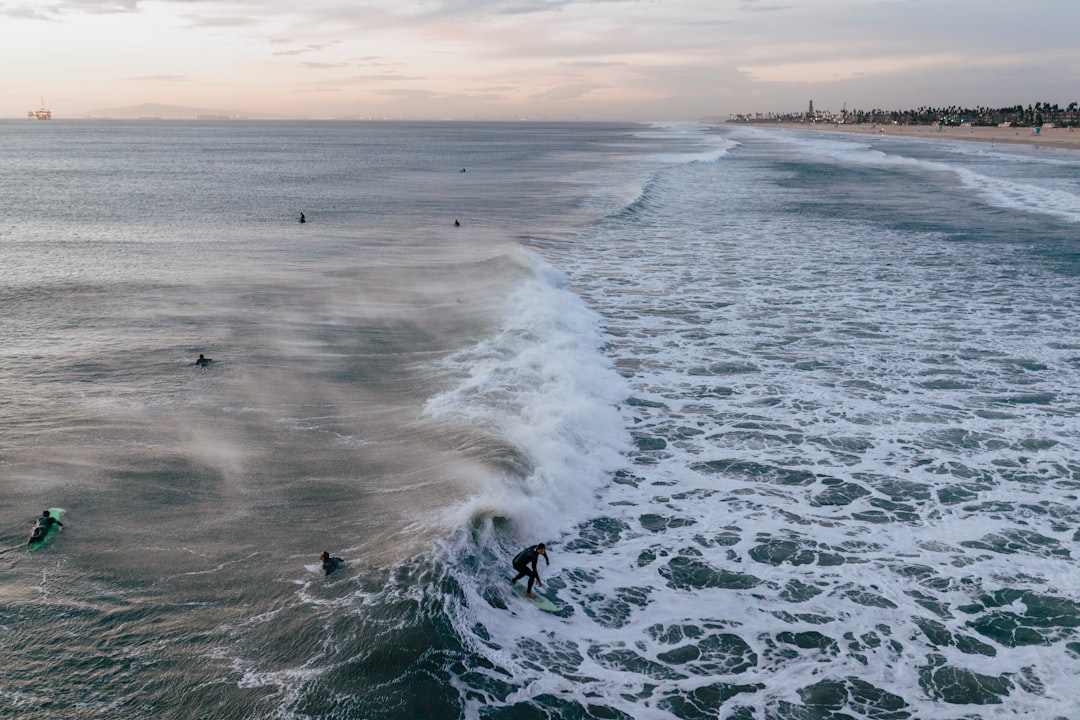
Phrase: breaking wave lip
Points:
(1023, 196)
(711, 147)
(1014, 154)
(540, 388)
(708, 148)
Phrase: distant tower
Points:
(810, 112)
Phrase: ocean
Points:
(795, 413)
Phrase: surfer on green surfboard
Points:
(42, 528)
(530, 555)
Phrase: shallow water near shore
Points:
(795, 413)
(1046, 138)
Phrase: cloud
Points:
(832, 70)
(586, 64)
(25, 12)
(380, 77)
(483, 97)
(753, 6)
(535, 6)
(293, 52)
(408, 94)
(453, 103)
(470, 8)
(221, 21)
(161, 78)
(316, 90)
(566, 92)
(55, 10)
(311, 48)
(106, 6)
(374, 61)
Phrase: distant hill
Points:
(174, 112)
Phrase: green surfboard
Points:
(53, 529)
(538, 600)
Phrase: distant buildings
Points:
(1017, 115)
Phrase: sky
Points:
(534, 59)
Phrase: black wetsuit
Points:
(41, 529)
(332, 564)
(521, 562)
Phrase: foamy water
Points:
(854, 485)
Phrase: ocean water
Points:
(796, 414)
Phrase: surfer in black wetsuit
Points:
(41, 528)
(521, 562)
(330, 564)
(302, 218)
(203, 362)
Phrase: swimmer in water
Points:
(331, 564)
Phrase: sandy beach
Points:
(1047, 137)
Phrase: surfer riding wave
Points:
(530, 555)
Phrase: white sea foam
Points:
(540, 385)
(1028, 194)
(1027, 197)
(616, 186)
(846, 450)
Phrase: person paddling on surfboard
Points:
(203, 361)
(41, 528)
(330, 564)
(530, 555)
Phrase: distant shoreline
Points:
(1048, 137)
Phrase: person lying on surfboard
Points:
(41, 527)
(521, 562)
(330, 564)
